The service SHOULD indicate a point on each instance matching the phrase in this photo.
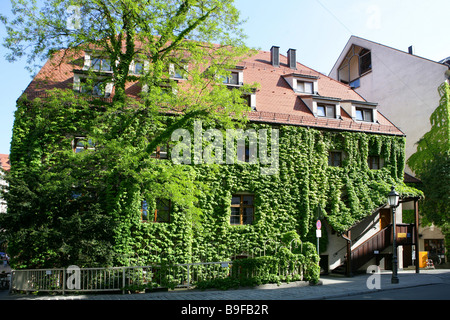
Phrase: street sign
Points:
(318, 225)
(318, 233)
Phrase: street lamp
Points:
(393, 198)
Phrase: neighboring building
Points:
(406, 88)
(6, 166)
(338, 153)
(404, 85)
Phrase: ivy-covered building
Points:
(337, 157)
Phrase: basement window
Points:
(242, 209)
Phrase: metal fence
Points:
(124, 279)
(137, 278)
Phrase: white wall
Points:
(404, 86)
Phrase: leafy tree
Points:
(67, 208)
(431, 163)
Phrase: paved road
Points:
(331, 287)
(269, 301)
(440, 291)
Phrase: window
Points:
(356, 63)
(365, 61)
(80, 144)
(177, 72)
(98, 88)
(233, 78)
(303, 86)
(100, 64)
(374, 162)
(161, 213)
(162, 152)
(364, 115)
(328, 111)
(242, 209)
(335, 159)
(138, 68)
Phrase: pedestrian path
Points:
(330, 287)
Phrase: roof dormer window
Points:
(328, 111)
(305, 87)
(364, 114)
(101, 64)
(101, 87)
(235, 77)
(361, 110)
(302, 83)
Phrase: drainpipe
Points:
(416, 232)
(348, 238)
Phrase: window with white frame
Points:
(234, 78)
(305, 87)
(98, 88)
(177, 72)
(364, 114)
(137, 68)
(326, 110)
(101, 64)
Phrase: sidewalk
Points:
(330, 287)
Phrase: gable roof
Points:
(355, 40)
(276, 101)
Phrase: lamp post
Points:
(393, 198)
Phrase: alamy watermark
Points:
(73, 281)
(373, 281)
(73, 22)
(207, 147)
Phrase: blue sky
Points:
(318, 29)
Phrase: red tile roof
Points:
(276, 101)
(4, 162)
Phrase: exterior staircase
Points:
(374, 246)
(366, 250)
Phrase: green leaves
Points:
(431, 162)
